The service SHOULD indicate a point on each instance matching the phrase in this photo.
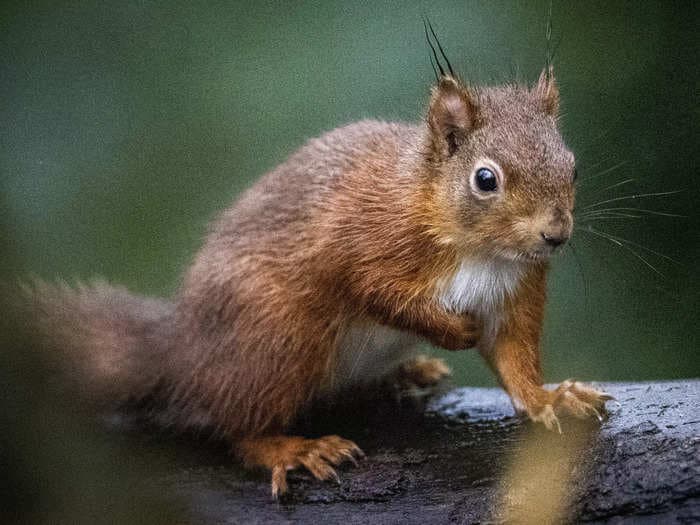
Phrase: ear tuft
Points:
(547, 92)
(452, 114)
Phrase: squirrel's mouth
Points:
(529, 254)
(537, 255)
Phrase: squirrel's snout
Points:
(557, 230)
(554, 239)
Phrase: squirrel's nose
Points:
(554, 240)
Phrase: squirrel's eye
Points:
(486, 180)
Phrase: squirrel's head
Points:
(504, 176)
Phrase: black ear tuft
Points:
(434, 59)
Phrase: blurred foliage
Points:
(127, 126)
(57, 465)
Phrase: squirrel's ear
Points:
(547, 92)
(451, 115)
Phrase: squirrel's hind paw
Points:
(423, 371)
(283, 453)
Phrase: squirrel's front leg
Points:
(423, 316)
(515, 357)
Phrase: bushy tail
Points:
(114, 343)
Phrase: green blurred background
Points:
(126, 126)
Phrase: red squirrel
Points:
(329, 271)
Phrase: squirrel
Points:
(328, 272)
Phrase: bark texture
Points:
(462, 456)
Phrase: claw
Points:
(283, 453)
(595, 412)
(607, 397)
(348, 455)
(279, 481)
(547, 417)
(318, 467)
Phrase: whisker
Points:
(362, 348)
(608, 217)
(617, 184)
(585, 179)
(641, 246)
(640, 210)
(621, 245)
(590, 167)
(581, 274)
(618, 243)
(631, 197)
(606, 213)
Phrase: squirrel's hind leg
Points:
(281, 453)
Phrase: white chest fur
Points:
(479, 286)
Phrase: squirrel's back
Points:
(279, 229)
(297, 188)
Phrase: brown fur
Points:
(358, 226)
(422, 371)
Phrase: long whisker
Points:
(608, 217)
(647, 263)
(630, 208)
(616, 185)
(631, 197)
(613, 186)
(604, 172)
(581, 273)
(641, 246)
(607, 213)
(620, 244)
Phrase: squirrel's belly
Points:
(369, 351)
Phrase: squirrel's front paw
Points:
(569, 399)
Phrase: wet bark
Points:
(463, 457)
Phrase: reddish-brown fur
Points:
(359, 226)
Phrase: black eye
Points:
(486, 180)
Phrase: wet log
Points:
(462, 456)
